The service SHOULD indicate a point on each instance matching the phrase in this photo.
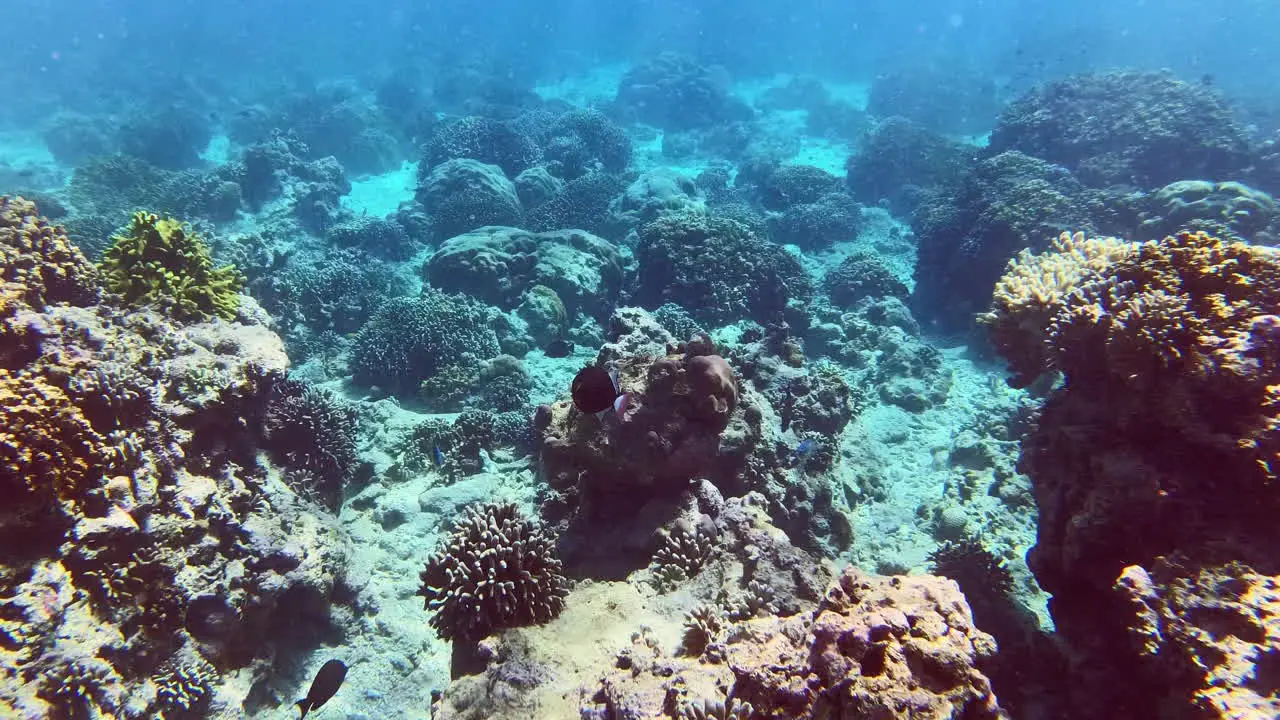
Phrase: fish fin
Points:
(620, 404)
(613, 375)
(302, 705)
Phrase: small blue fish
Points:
(437, 456)
(802, 452)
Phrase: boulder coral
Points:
(901, 647)
(686, 417)
(1155, 465)
(717, 268)
(501, 264)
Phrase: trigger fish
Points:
(326, 683)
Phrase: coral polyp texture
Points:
(1155, 464)
(134, 501)
(497, 569)
(162, 262)
(875, 647)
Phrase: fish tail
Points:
(302, 705)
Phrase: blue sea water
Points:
(442, 212)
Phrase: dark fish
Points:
(802, 452)
(559, 348)
(327, 682)
(595, 390)
(788, 407)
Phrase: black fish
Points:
(559, 348)
(327, 682)
(594, 390)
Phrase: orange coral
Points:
(45, 440)
(38, 263)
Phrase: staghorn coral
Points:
(496, 570)
(161, 262)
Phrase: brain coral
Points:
(496, 570)
(161, 262)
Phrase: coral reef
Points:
(1138, 463)
(717, 269)
(1230, 210)
(1007, 202)
(484, 140)
(898, 160)
(673, 92)
(951, 99)
(496, 570)
(148, 558)
(499, 265)
(1126, 128)
(164, 263)
(410, 339)
(463, 195)
(875, 647)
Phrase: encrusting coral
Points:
(496, 570)
(162, 262)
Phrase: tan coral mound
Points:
(877, 647)
(1154, 466)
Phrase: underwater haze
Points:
(631, 360)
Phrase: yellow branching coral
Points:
(38, 264)
(1190, 317)
(1035, 288)
(161, 262)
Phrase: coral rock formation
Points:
(901, 647)
(1155, 466)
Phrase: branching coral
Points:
(1164, 442)
(159, 261)
(496, 570)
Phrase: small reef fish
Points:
(325, 684)
(437, 456)
(595, 390)
(802, 452)
(559, 348)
